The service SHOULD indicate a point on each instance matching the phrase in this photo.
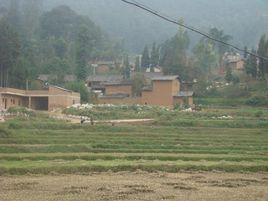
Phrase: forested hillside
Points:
(58, 42)
(245, 20)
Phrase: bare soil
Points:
(136, 186)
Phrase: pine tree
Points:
(154, 56)
(82, 52)
(137, 64)
(145, 60)
(126, 72)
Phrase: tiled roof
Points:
(120, 83)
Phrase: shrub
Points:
(259, 114)
(4, 132)
(14, 125)
(21, 110)
(257, 101)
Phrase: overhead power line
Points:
(173, 21)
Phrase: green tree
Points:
(205, 58)
(219, 35)
(263, 51)
(138, 83)
(174, 54)
(21, 73)
(251, 66)
(9, 51)
(137, 64)
(229, 75)
(126, 67)
(145, 60)
(61, 47)
(83, 48)
(154, 56)
(80, 88)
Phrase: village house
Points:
(233, 61)
(47, 99)
(96, 83)
(165, 91)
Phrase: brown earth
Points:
(136, 186)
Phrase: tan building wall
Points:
(118, 89)
(175, 87)
(162, 93)
(61, 98)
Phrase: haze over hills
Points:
(245, 20)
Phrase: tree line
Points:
(204, 59)
(57, 42)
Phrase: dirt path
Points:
(77, 120)
(136, 186)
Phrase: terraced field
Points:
(41, 145)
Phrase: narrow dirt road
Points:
(136, 186)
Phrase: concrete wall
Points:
(118, 89)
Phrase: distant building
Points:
(96, 83)
(232, 61)
(47, 99)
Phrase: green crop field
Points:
(176, 141)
